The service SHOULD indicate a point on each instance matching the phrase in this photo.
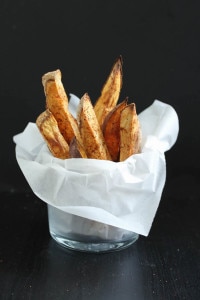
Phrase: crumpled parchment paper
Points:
(124, 194)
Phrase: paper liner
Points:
(124, 194)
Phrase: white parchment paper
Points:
(124, 194)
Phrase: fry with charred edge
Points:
(57, 103)
(110, 92)
(130, 134)
(111, 130)
(90, 131)
(48, 127)
(76, 150)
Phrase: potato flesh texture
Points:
(129, 132)
(90, 130)
(109, 93)
(57, 102)
(51, 134)
(58, 105)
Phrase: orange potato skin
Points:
(76, 150)
(111, 130)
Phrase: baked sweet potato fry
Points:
(48, 127)
(90, 131)
(57, 103)
(130, 134)
(110, 92)
(111, 130)
(104, 131)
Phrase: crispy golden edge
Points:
(57, 103)
(90, 130)
(111, 130)
(48, 127)
(110, 92)
(130, 133)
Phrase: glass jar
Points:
(81, 234)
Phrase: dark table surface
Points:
(160, 45)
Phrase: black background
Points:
(160, 45)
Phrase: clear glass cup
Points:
(81, 234)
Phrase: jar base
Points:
(92, 246)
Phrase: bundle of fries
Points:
(106, 130)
